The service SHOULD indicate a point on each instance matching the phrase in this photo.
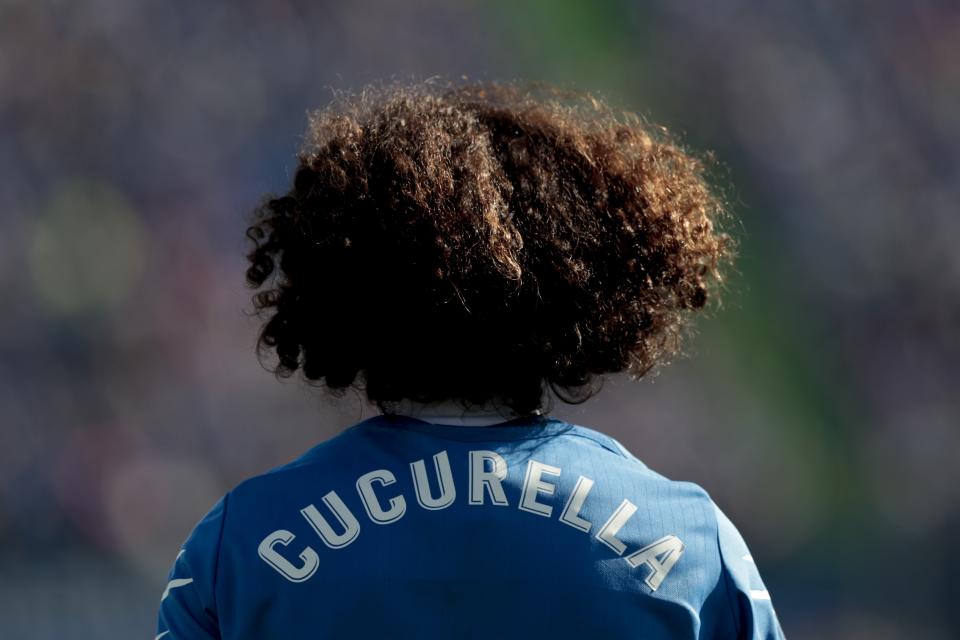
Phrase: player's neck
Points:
(452, 412)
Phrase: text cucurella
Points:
(337, 526)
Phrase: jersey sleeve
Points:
(750, 602)
(188, 609)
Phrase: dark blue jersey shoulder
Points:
(402, 527)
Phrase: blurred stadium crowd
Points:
(819, 406)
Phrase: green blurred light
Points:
(86, 249)
(586, 43)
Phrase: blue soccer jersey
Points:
(404, 528)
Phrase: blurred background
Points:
(815, 406)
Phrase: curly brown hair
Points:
(484, 242)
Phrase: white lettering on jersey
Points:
(533, 485)
(173, 584)
(659, 556)
(273, 558)
(334, 540)
(608, 532)
(481, 479)
(398, 505)
(488, 471)
(448, 492)
(571, 511)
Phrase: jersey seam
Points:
(725, 577)
(603, 444)
(216, 564)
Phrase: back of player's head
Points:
(483, 242)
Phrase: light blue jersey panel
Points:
(532, 528)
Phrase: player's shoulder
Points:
(330, 451)
(623, 459)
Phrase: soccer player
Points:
(463, 254)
